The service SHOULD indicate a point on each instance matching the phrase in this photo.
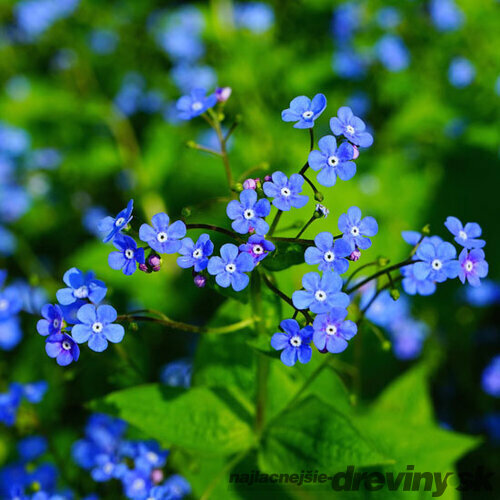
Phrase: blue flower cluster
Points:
(138, 465)
(79, 317)
(11, 400)
(436, 259)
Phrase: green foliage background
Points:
(414, 174)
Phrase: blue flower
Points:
(111, 226)
(392, 53)
(257, 247)
(438, 262)
(9, 404)
(80, 286)
(445, 15)
(472, 266)
(321, 294)
(10, 333)
(465, 236)
(31, 447)
(407, 336)
(461, 72)
(10, 303)
(107, 467)
(286, 193)
(355, 229)
(247, 214)
(255, 16)
(35, 391)
(332, 161)
(230, 267)
(293, 343)
(97, 327)
(177, 486)
(136, 484)
(329, 254)
(304, 110)
(63, 348)
(195, 104)
(128, 255)
(412, 285)
(349, 64)
(195, 254)
(331, 332)
(162, 237)
(490, 379)
(150, 456)
(177, 373)
(53, 321)
(486, 295)
(351, 127)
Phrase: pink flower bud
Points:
(200, 281)
(144, 268)
(155, 262)
(355, 255)
(268, 178)
(356, 152)
(157, 476)
(249, 184)
(223, 93)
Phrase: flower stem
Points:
(217, 229)
(215, 123)
(291, 240)
(359, 269)
(199, 147)
(311, 147)
(276, 219)
(306, 225)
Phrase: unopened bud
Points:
(250, 184)
(238, 187)
(186, 212)
(144, 268)
(223, 93)
(355, 255)
(426, 229)
(268, 178)
(386, 345)
(318, 196)
(155, 262)
(356, 152)
(324, 350)
(395, 294)
(383, 261)
(200, 281)
(157, 476)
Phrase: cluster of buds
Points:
(152, 265)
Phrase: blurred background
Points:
(88, 121)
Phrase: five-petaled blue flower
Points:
(321, 293)
(331, 332)
(437, 262)
(332, 161)
(162, 237)
(293, 343)
(111, 226)
(195, 104)
(128, 255)
(304, 110)
(465, 236)
(286, 192)
(354, 229)
(329, 254)
(413, 285)
(351, 127)
(63, 348)
(230, 267)
(80, 286)
(52, 322)
(195, 254)
(257, 247)
(472, 266)
(247, 214)
(97, 327)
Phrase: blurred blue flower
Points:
(461, 72)
(32, 447)
(248, 213)
(286, 192)
(388, 17)
(293, 343)
(229, 269)
(9, 404)
(149, 455)
(490, 379)
(328, 254)
(392, 53)
(34, 392)
(136, 484)
(10, 333)
(177, 373)
(13, 141)
(407, 336)
(7, 242)
(18, 87)
(304, 111)
(349, 64)
(97, 327)
(188, 77)
(176, 487)
(445, 15)
(14, 202)
(254, 16)
(46, 158)
(91, 219)
(346, 20)
(10, 303)
(359, 102)
(384, 310)
(483, 296)
(103, 41)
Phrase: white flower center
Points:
(55, 323)
(151, 456)
(129, 253)
(355, 231)
(119, 222)
(197, 254)
(333, 161)
(97, 327)
(196, 106)
(307, 115)
(108, 468)
(162, 237)
(331, 330)
(296, 341)
(248, 214)
(329, 256)
(230, 268)
(285, 192)
(4, 304)
(320, 295)
(462, 235)
(66, 345)
(437, 264)
(349, 129)
(81, 293)
(258, 249)
(469, 266)
(138, 484)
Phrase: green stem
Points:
(359, 269)
(217, 229)
(199, 147)
(276, 219)
(306, 225)
(222, 141)
(290, 240)
(311, 147)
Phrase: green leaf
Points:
(286, 255)
(314, 435)
(205, 420)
